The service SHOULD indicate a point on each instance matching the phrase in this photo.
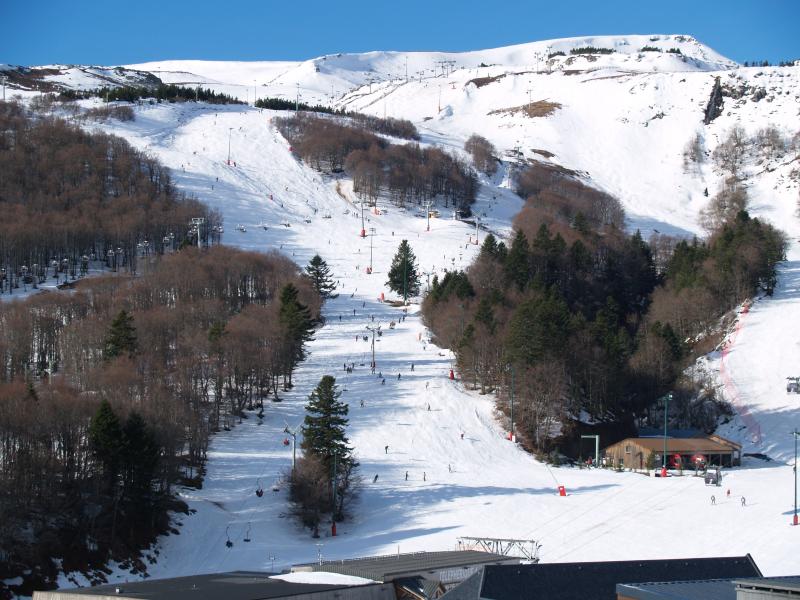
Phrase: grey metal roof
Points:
(237, 585)
(389, 567)
(790, 583)
(421, 586)
(710, 589)
(469, 589)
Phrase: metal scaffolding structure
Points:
(526, 549)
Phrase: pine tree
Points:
(517, 261)
(489, 247)
(139, 456)
(121, 336)
(105, 439)
(320, 275)
(323, 429)
(296, 318)
(298, 325)
(403, 276)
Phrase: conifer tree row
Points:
(584, 317)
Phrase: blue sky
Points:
(91, 32)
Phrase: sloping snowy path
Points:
(495, 489)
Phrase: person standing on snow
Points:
(386, 449)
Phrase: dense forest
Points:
(70, 198)
(589, 323)
(391, 126)
(166, 92)
(109, 392)
(409, 173)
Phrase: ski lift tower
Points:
(197, 223)
(293, 433)
(596, 446)
(371, 236)
(373, 330)
(428, 205)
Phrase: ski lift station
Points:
(682, 453)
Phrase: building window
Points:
(627, 449)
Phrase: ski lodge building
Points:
(682, 452)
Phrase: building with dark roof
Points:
(592, 580)
(711, 589)
(441, 568)
(760, 588)
(237, 585)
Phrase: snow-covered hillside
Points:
(621, 120)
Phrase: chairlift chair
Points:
(247, 535)
(228, 542)
(259, 489)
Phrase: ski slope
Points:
(494, 488)
(623, 123)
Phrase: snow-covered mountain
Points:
(622, 120)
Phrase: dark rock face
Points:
(714, 106)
